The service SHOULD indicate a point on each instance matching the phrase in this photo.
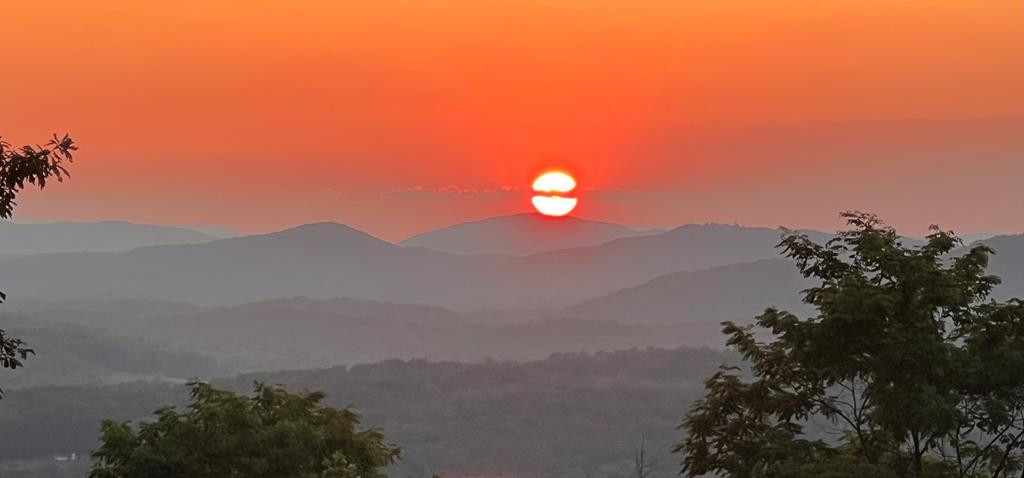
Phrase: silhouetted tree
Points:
(908, 361)
(32, 165)
(274, 434)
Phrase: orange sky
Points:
(396, 116)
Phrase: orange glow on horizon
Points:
(396, 117)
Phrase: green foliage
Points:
(33, 165)
(908, 361)
(274, 434)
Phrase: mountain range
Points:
(105, 236)
(327, 260)
(735, 292)
(299, 332)
(521, 235)
(693, 272)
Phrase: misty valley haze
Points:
(328, 260)
(515, 288)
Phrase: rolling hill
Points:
(300, 332)
(741, 291)
(735, 292)
(328, 260)
(317, 260)
(588, 272)
(519, 235)
(105, 236)
(75, 354)
(568, 415)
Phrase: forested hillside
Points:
(569, 416)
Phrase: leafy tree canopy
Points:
(273, 434)
(908, 368)
(32, 165)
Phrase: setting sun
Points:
(552, 189)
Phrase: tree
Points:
(273, 434)
(32, 165)
(908, 368)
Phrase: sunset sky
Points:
(398, 116)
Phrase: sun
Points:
(553, 191)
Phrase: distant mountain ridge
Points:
(495, 418)
(520, 235)
(320, 260)
(591, 271)
(301, 332)
(328, 260)
(739, 292)
(736, 292)
(104, 236)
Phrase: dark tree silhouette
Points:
(27, 165)
(908, 364)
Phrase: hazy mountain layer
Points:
(72, 354)
(738, 292)
(519, 235)
(568, 415)
(735, 292)
(299, 333)
(106, 236)
(331, 260)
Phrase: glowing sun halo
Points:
(552, 194)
